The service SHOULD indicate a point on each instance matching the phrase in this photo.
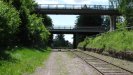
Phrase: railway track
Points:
(105, 68)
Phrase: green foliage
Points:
(22, 5)
(37, 30)
(84, 43)
(118, 41)
(24, 61)
(60, 41)
(121, 25)
(97, 41)
(36, 25)
(47, 20)
(20, 26)
(87, 20)
(32, 30)
(114, 3)
(9, 23)
(126, 8)
(81, 44)
(25, 8)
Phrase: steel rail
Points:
(100, 60)
(88, 63)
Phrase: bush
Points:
(9, 23)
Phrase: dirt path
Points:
(64, 63)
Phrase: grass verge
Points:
(117, 40)
(117, 43)
(23, 60)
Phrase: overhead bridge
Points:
(77, 9)
(76, 30)
(72, 30)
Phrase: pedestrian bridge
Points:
(77, 9)
(73, 30)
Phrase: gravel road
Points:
(65, 63)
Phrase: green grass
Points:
(24, 60)
(119, 41)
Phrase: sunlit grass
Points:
(23, 60)
(119, 41)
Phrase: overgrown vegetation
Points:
(9, 23)
(126, 8)
(117, 40)
(21, 27)
(116, 43)
(37, 31)
(23, 61)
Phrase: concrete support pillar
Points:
(74, 41)
(112, 23)
(50, 41)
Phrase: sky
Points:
(69, 20)
(103, 2)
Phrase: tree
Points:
(87, 20)
(37, 31)
(114, 3)
(60, 41)
(31, 31)
(47, 21)
(126, 8)
(9, 23)
(25, 8)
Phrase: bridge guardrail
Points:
(75, 6)
(76, 28)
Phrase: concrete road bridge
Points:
(73, 30)
(76, 30)
(79, 9)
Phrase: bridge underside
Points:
(78, 11)
(76, 32)
(75, 43)
(62, 31)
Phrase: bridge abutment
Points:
(112, 22)
(74, 41)
(50, 41)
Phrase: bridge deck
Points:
(77, 9)
(70, 30)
